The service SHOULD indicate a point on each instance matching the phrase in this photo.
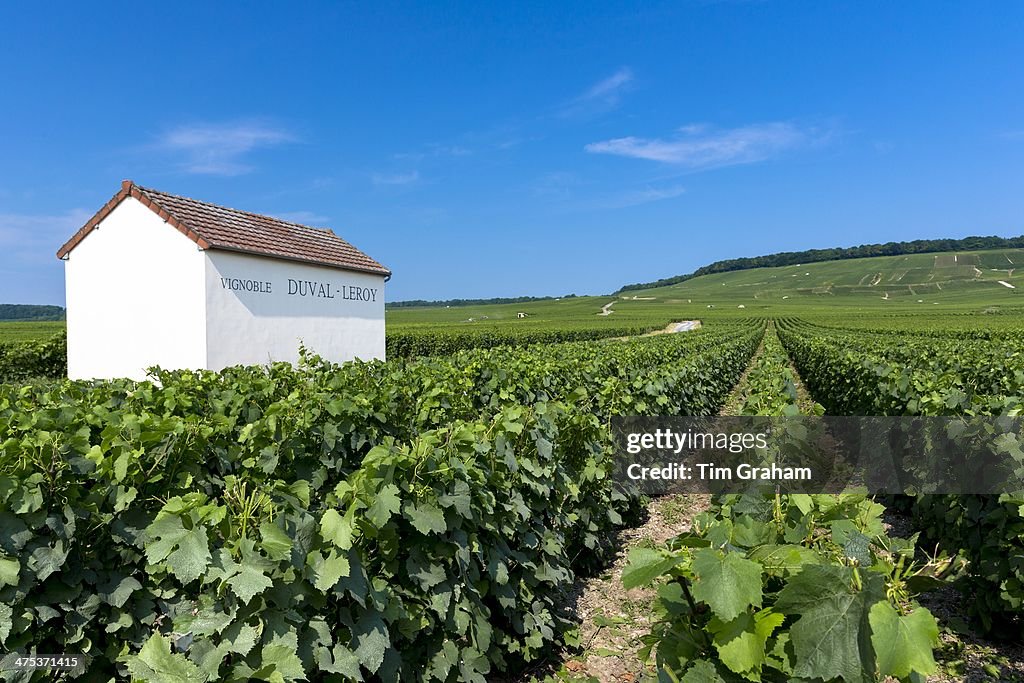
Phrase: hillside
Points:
(982, 278)
(789, 258)
(30, 312)
(949, 282)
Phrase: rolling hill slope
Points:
(991, 277)
(957, 283)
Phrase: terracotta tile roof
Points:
(217, 227)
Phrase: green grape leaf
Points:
(121, 466)
(345, 663)
(191, 557)
(702, 672)
(243, 638)
(426, 575)
(782, 560)
(210, 660)
(903, 644)
(276, 543)
(385, 504)
(330, 570)
(858, 547)
(803, 502)
(460, 499)
(6, 617)
(372, 640)
(646, 564)
(155, 663)
(45, 561)
(186, 551)
(741, 642)
(118, 595)
(426, 518)
(280, 658)
(444, 659)
(828, 638)
(726, 582)
(336, 529)
(248, 583)
(9, 570)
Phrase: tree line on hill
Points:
(421, 303)
(791, 258)
(30, 312)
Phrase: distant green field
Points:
(953, 285)
(15, 331)
(582, 310)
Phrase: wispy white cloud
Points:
(509, 144)
(1013, 135)
(450, 151)
(434, 150)
(556, 185)
(644, 196)
(601, 96)
(610, 88)
(700, 147)
(35, 238)
(395, 178)
(883, 146)
(571, 193)
(221, 148)
(303, 217)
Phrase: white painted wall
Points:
(250, 324)
(140, 293)
(135, 297)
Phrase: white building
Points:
(156, 279)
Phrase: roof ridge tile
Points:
(213, 226)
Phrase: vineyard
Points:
(539, 342)
(425, 518)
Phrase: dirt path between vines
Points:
(614, 620)
(738, 396)
(804, 400)
(671, 328)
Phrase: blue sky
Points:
(486, 149)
